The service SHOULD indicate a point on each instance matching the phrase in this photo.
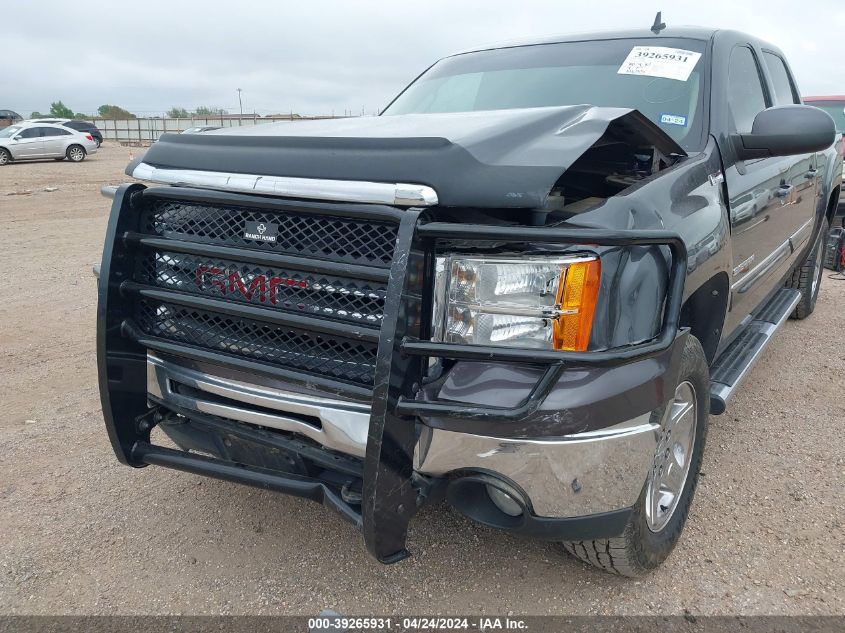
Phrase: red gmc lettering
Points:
(234, 282)
(214, 273)
(259, 282)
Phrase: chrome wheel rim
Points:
(817, 273)
(672, 458)
(4, 158)
(76, 154)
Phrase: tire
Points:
(98, 142)
(807, 278)
(646, 542)
(75, 153)
(5, 157)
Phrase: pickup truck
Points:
(521, 289)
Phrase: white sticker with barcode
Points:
(659, 61)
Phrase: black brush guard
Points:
(392, 493)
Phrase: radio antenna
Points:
(658, 24)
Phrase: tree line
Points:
(201, 111)
(58, 110)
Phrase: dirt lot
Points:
(83, 534)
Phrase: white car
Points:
(33, 140)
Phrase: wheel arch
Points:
(833, 203)
(704, 313)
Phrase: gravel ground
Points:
(82, 534)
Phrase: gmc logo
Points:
(232, 282)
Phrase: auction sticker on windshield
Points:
(659, 61)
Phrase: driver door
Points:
(28, 143)
(770, 198)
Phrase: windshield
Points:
(6, 132)
(660, 78)
(836, 109)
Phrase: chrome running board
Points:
(733, 365)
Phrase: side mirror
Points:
(17, 138)
(785, 131)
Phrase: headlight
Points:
(516, 302)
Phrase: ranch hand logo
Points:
(261, 231)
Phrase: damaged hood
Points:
(496, 159)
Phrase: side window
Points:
(49, 131)
(59, 132)
(31, 132)
(784, 87)
(745, 90)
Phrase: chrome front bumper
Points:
(575, 475)
(336, 424)
(571, 476)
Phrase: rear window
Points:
(785, 92)
(836, 109)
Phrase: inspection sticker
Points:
(673, 119)
(659, 61)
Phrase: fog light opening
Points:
(504, 501)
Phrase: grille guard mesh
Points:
(338, 239)
(320, 354)
(285, 289)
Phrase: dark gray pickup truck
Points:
(523, 288)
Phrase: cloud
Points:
(322, 56)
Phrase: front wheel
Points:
(658, 517)
(5, 156)
(807, 278)
(75, 153)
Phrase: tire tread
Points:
(801, 279)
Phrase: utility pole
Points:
(240, 103)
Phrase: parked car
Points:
(34, 139)
(199, 129)
(519, 288)
(746, 206)
(835, 107)
(80, 126)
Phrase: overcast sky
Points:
(324, 56)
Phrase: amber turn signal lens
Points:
(577, 296)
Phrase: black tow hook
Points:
(147, 422)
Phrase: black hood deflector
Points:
(495, 159)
